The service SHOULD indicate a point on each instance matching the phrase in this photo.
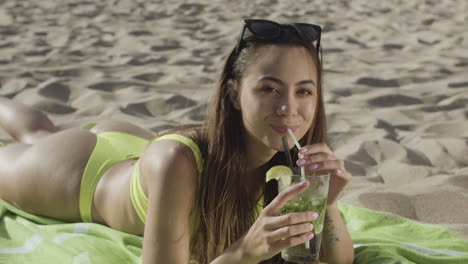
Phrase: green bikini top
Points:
(139, 198)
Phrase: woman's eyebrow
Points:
(271, 78)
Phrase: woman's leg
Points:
(27, 125)
(24, 123)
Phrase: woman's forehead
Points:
(282, 61)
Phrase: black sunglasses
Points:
(270, 30)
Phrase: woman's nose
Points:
(286, 108)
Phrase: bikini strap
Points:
(190, 143)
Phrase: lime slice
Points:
(280, 173)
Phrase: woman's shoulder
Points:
(169, 158)
(167, 154)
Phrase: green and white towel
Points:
(26, 238)
(379, 239)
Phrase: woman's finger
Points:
(283, 197)
(289, 231)
(327, 165)
(315, 148)
(292, 241)
(314, 158)
(290, 219)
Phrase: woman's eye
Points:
(304, 92)
(269, 89)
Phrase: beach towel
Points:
(27, 238)
(379, 238)
(382, 238)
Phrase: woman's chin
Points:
(277, 145)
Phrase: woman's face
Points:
(278, 91)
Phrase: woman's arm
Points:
(337, 246)
(233, 255)
(169, 170)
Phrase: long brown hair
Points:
(225, 204)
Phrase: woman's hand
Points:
(272, 233)
(320, 158)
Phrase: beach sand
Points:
(395, 85)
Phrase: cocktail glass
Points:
(314, 198)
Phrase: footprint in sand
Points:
(393, 100)
(159, 106)
(145, 60)
(204, 35)
(74, 72)
(379, 83)
(37, 52)
(54, 107)
(76, 53)
(461, 64)
(392, 46)
(192, 9)
(139, 33)
(166, 46)
(189, 62)
(138, 109)
(458, 85)
(149, 77)
(112, 86)
(459, 104)
(56, 90)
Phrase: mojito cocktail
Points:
(314, 198)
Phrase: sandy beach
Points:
(395, 87)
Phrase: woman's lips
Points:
(283, 129)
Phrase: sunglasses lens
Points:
(265, 30)
(310, 32)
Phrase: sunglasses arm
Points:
(239, 43)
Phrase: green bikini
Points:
(112, 147)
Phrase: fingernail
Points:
(301, 161)
(310, 236)
(304, 149)
(313, 166)
(339, 172)
(311, 227)
(302, 184)
(314, 215)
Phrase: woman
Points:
(193, 193)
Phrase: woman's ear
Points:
(234, 93)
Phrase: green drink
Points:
(314, 199)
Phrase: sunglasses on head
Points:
(270, 30)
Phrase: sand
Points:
(396, 83)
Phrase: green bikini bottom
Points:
(112, 147)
